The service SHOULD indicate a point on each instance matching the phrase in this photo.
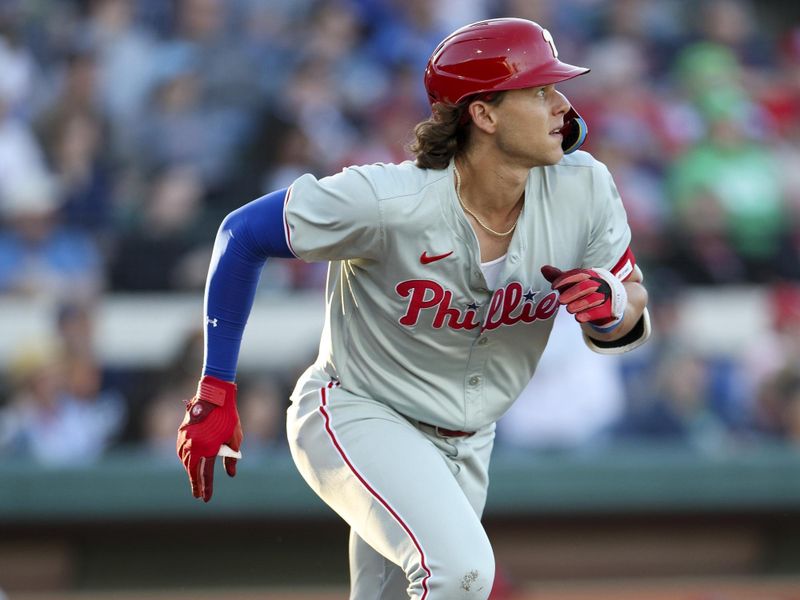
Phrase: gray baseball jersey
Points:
(411, 321)
(414, 337)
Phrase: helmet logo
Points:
(549, 39)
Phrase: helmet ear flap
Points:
(574, 131)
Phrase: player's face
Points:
(528, 125)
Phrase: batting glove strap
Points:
(215, 390)
(618, 297)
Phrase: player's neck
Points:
(491, 187)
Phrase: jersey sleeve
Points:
(334, 218)
(610, 235)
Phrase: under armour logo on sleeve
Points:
(210, 321)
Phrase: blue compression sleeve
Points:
(246, 238)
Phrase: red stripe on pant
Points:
(370, 489)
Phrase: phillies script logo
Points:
(509, 305)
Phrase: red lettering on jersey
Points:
(528, 314)
(494, 306)
(511, 302)
(547, 308)
(508, 306)
(417, 289)
(445, 311)
(470, 320)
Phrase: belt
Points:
(444, 432)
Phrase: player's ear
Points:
(483, 115)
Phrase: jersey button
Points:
(483, 341)
(474, 380)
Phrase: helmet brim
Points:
(553, 73)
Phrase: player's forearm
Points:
(231, 285)
(637, 301)
(246, 238)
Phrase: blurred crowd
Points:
(129, 128)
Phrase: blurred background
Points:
(130, 128)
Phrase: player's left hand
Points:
(594, 296)
(209, 429)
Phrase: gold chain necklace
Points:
(476, 217)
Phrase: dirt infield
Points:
(674, 589)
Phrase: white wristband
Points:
(619, 300)
(627, 345)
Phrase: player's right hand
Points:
(209, 429)
(594, 296)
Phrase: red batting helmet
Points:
(492, 56)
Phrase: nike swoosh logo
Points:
(426, 260)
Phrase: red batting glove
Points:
(210, 428)
(594, 296)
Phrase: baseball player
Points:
(444, 277)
